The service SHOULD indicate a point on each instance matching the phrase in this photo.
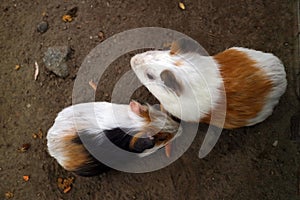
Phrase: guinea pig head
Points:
(159, 129)
(162, 72)
(181, 78)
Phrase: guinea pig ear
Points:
(137, 108)
(184, 45)
(171, 82)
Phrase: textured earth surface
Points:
(245, 163)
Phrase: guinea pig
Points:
(136, 128)
(253, 82)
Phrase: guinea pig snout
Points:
(136, 60)
(142, 144)
(141, 59)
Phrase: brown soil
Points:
(243, 165)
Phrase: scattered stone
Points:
(24, 148)
(17, 67)
(55, 60)
(65, 185)
(73, 11)
(275, 143)
(181, 6)
(42, 27)
(44, 14)
(101, 36)
(9, 195)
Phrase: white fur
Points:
(94, 117)
(200, 83)
(274, 70)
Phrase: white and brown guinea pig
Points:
(253, 82)
(137, 128)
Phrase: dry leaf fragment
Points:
(101, 36)
(65, 184)
(24, 147)
(67, 189)
(38, 135)
(26, 178)
(93, 85)
(9, 195)
(36, 72)
(67, 18)
(181, 6)
(17, 67)
(275, 143)
(44, 14)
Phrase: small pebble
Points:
(28, 105)
(275, 143)
(101, 36)
(9, 195)
(42, 27)
(181, 6)
(17, 67)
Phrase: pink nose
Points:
(137, 60)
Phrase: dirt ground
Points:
(243, 165)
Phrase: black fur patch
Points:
(171, 82)
(121, 138)
(92, 167)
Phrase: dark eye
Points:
(150, 76)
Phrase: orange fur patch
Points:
(76, 155)
(145, 114)
(162, 138)
(246, 88)
(175, 48)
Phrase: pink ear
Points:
(135, 107)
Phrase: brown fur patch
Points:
(145, 114)
(246, 88)
(76, 155)
(175, 48)
(162, 138)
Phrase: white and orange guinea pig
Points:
(136, 128)
(253, 82)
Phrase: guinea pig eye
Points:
(151, 77)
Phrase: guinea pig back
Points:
(132, 127)
(189, 85)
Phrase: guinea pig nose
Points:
(136, 60)
(142, 144)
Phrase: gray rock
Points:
(42, 27)
(55, 60)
